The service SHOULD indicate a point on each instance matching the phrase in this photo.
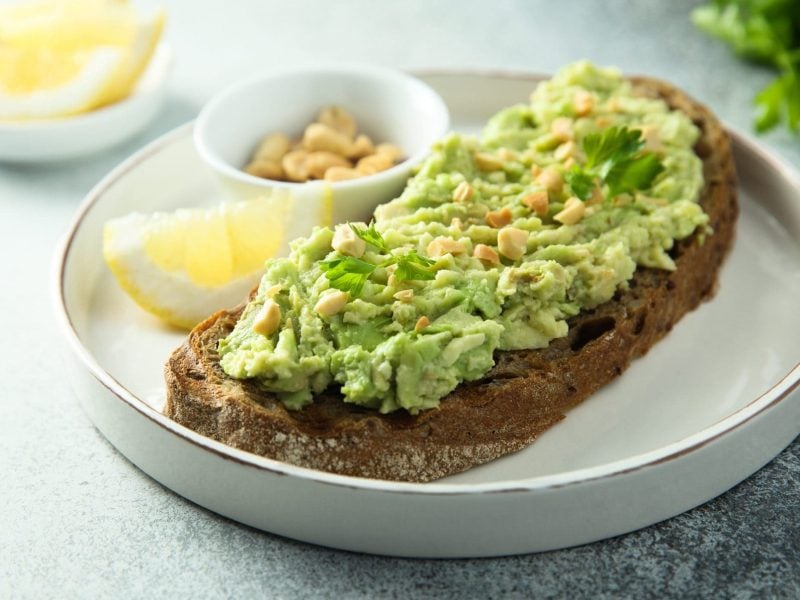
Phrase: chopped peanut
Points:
(422, 323)
(331, 303)
(442, 245)
(652, 139)
(551, 179)
(347, 242)
(535, 170)
(457, 223)
(486, 254)
(583, 102)
(603, 122)
(499, 218)
(537, 202)
(572, 212)
(565, 151)
(320, 161)
(404, 295)
(487, 162)
(561, 129)
(268, 318)
(463, 192)
(506, 155)
(512, 242)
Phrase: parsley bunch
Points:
(350, 274)
(614, 158)
(765, 31)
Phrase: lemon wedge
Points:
(62, 58)
(184, 265)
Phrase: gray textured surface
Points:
(77, 520)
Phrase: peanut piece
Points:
(512, 242)
(537, 202)
(339, 119)
(652, 139)
(322, 137)
(374, 163)
(341, 174)
(583, 102)
(573, 211)
(486, 254)
(550, 179)
(320, 161)
(404, 295)
(273, 147)
(347, 242)
(487, 162)
(440, 246)
(265, 168)
(561, 129)
(268, 318)
(499, 218)
(295, 165)
(362, 146)
(463, 192)
(422, 323)
(331, 303)
(565, 151)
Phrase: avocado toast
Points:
(499, 411)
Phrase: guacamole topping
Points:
(516, 233)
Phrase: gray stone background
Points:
(78, 521)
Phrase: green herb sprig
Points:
(768, 32)
(349, 274)
(614, 158)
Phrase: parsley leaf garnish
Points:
(350, 274)
(412, 266)
(614, 158)
(766, 32)
(371, 235)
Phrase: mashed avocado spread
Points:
(493, 245)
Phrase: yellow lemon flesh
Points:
(184, 265)
(61, 58)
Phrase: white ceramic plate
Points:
(79, 135)
(707, 406)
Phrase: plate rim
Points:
(780, 390)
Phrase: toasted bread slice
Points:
(524, 394)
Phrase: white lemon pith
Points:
(184, 265)
(62, 58)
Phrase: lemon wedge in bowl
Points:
(63, 58)
(182, 266)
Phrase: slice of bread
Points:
(523, 395)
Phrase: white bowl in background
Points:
(44, 140)
(388, 105)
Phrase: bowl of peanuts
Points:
(346, 134)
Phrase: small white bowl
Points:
(70, 137)
(388, 105)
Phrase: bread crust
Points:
(524, 394)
